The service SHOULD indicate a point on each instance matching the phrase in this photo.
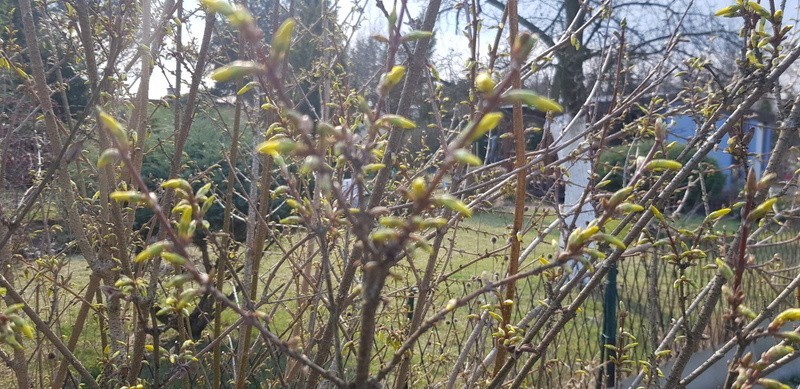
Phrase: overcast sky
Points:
(450, 43)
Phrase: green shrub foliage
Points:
(617, 164)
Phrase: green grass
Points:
(578, 347)
(486, 231)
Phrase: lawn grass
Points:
(578, 346)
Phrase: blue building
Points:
(683, 128)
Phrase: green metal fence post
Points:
(609, 335)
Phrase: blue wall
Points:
(683, 128)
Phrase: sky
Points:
(374, 23)
(451, 44)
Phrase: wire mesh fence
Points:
(649, 301)
(476, 252)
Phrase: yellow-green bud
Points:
(396, 121)
(283, 38)
(390, 79)
(235, 69)
(453, 204)
(531, 99)
(484, 83)
(487, 123)
(662, 164)
(467, 158)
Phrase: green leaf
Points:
(177, 183)
(658, 215)
(791, 336)
(218, 6)
(757, 8)
(791, 314)
(417, 188)
(391, 221)
(594, 253)
(776, 352)
(663, 353)
(611, 240)
(724, 269)
(769, 383)
(383, 235)
(746, 312)
(240, 16)
(620, 196)
(392, 78)
(152, 251)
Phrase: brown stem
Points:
(693, 337)
(374, 279)
(255, 251)
(226, 227)
(657, 195)
(140, 126)
(772, 166)
(519, 204)
(416, 68)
